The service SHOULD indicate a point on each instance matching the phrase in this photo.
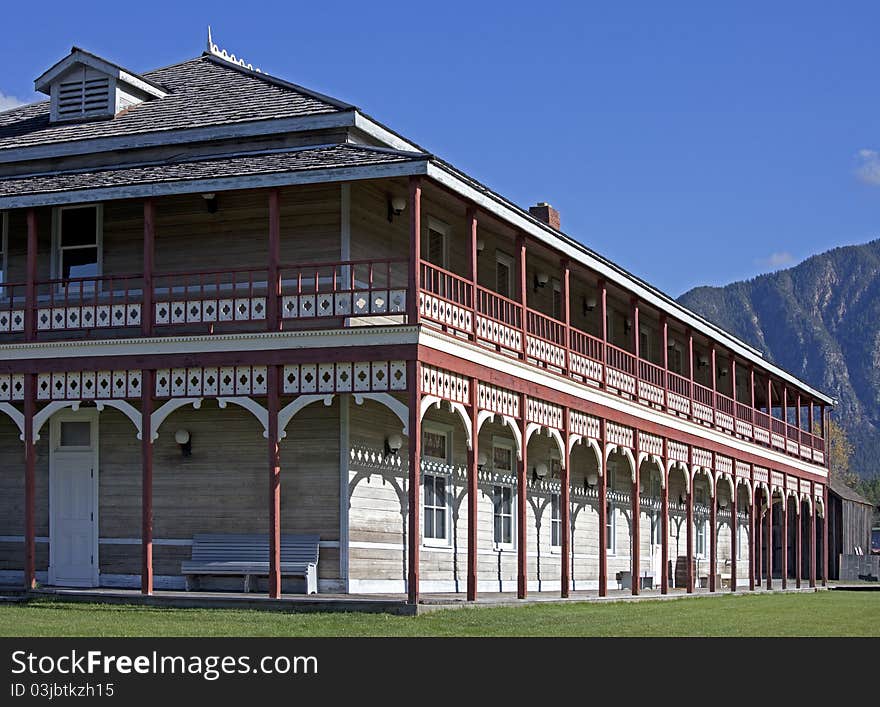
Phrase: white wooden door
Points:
(73, 534)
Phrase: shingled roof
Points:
(202, 92)
(275, 162)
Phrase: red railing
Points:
(703, 395)
(446, 285)
(679, 384)
(586, 345)
(762, 419)
(744, 412)
(818, 443)
(501, 309)
(651, 373)
(777, 426)
(724, 404)
(621, 360)
(210, 297)
(792, 433)
(545, 327)
(13, 302)
(87, 303)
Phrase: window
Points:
(76, 434)
(502, 499)
(739, 539)
(676, 358)
(610, 520)
(4, 242)
(435, 507)
(437, 247)
(502, 458)
(700, 499)
(504, 275)
(646, 350)
(435, 498)
(557, 299)
(78, 246)
(555, 521)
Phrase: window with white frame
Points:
(436, 447)
(502, 500)
(646, 343)
(437, 252)
(78, 246)
(740, 531)
(700, 499)
(656, 519)
(610, 516)
(555, 521)
(504, 275)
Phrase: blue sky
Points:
(692, 142)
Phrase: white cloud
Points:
(776, 261)
(7, 102)
(869, 167)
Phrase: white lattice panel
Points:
(362, 376)
(791, 447)
(743, 470)
(703, 412)
(761, 435)
(819, 490)
(723, 465)
(791, 482)
(651, 393)
(804, 486)
(702, 458)
(89, 385)
(88, 316)
(12, 387)
(623, 382)
(585, 367)
(724, 421)
(652, 444)
(777, 479)
(451, 315)
(545, 351)
(805, 452)
(761, 474)
(445, 384)
(619, 435)
(497, 333)
(743, 429)
(584, 425)
(818, 457)
(11, 320)
(208, 311)
(677, 451)
(679, 403)
(544, 414)
(498, 400)
(777, 441)
(198, 382)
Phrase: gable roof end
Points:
(43, 83)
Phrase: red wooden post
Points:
(690, 337)
(273, 405)
(798, 416)
(713, 534)
(415, 248)
(752, 543)
(635, 326)
(148, 387)
(770, 403)
(522, 583)
(798, 549)
(664, 518)
(273, 295)
(825, 535)
(759, 533)
(752, 386)
(148, 314)
(733, 386)
(603, 325)
(472, 495)
(690, 521)
(813, 546)
(785, 416)
(734, 525)
(664, 329)
(603, 512)
(812, 420)
(565, 506)
(565, 286)
(769, 548)
(471, 217)
(30, 307)
(636, 518)
(712, 364)
(30, 463)
(784, 562)
(413, 375)
(523, 296)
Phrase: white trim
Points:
(496, 205)
(503, 258)
(50, 409)
(289, 411)
(90, 415)
(344, 499)
(56, 258)
(127, 409)
(447, 431)
(252, 406)
(15, 415)
(163, 411)
(383, 134)
(389, 401)
(77, 56)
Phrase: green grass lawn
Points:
(817, 614)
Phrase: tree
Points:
(838, 454)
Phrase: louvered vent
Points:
(83, 94)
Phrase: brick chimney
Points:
(546, 213)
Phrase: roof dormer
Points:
(83, 86)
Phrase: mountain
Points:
(821, 321)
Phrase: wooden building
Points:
(850, 519)
(232, 305)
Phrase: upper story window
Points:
(78, 244)
(437, 252)
(504, 275)
(676, 358)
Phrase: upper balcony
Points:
(338, 255)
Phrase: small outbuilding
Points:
(849, 529)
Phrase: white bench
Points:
(215, 554)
